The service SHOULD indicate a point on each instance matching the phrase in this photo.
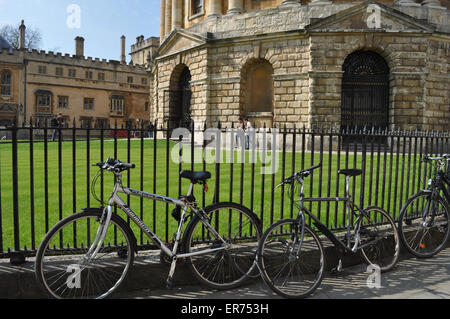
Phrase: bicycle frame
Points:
(351, 209)
(116, 200)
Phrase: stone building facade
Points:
(324, 63)
(88, 92)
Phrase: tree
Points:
(33, 36)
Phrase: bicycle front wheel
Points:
(289, 271)
(379, 239)
(215, 263)
(70, 273)
(423, 225)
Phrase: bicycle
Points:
(219, 242)
(423, 219)
(291, 256)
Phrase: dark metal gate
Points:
(180, 102)
(365, 93)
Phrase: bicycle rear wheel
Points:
(379, 232)
(67, 273)
(228, 267)
(423, 225)
(286, 273)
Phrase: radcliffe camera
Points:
(215, 153)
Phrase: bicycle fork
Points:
(100, 236)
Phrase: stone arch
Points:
(257, 92)
(179, 97)
(365, 91)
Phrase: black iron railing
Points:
(42, 181)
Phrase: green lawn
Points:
(272, 200)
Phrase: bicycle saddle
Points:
(196, 176)
(350, 172)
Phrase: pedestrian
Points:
(150, 129)
(247, 128)
(57, 123)
(239, 128)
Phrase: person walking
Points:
(57, 123)
(239, 129)
(247, 128)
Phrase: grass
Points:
(38, 213)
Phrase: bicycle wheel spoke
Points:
(423, 225)
(230, 266)
(65, 275)
(289, 274)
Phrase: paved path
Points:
(412, 279)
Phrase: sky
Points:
(100, 22)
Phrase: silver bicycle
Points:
(89, 254)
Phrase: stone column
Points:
(162, 25)
(176, 14)
(235, 6)
(215, 8)
(168, 18)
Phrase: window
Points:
(42, 69)
(88, 103)
(101, 76)
(5, 84)
(130, 79)
(117, 103)
(63, 102)
(101, 122)
(197, 6)
(72, 73)
(59, 72)
(86, 122)
(144, 81)
(146, 106)
(43, 100)
(89, 75)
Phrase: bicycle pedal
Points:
(338, 269)
(170, 283)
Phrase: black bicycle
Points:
(423, 219)
(290, 254)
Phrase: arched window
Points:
(5, 83)
(365, 91)
(257, 92)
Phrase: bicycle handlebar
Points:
(114, 165)
(427, 158)
(302, 174)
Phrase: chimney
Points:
(123, 58)
(22, 36)
(79, 47)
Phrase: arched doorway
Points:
(180, 97)
(257, 92)
(365, 92)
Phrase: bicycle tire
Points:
(229, 268)
(434, 236)
(379, 225)
(61, 273)
(305, 272)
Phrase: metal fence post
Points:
(17, 257)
